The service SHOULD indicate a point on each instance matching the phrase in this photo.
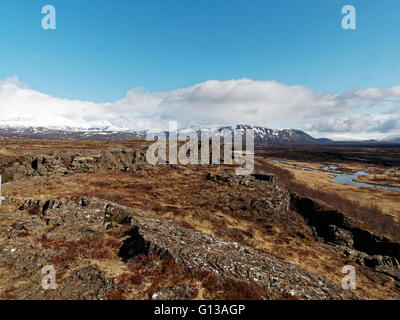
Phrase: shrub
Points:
(122, 219)
(8, 177)
(86, 248)
(8, 294)
(116, 294)
(230, 289)
(199, 215)
(34, 210)
(241, 290)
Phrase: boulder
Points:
(181, 291)
(339, 236)
(268, 177)
(88, 283)
(378, 260)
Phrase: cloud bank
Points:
(211, 102)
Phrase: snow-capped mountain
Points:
(392, 139)
(262, 136)
(67, 133)
(266, 136)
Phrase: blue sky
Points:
(102, 49)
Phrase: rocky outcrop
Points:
(268, 177)
(339, 236)
(373, 244)
(377, 260)
(333, 226)
(88, 283)
(198, 251)
(233, 179)
(319, 216)
(69, 162)
(191, 249)
(181, 291)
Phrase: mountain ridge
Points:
(392, 139)
(262, 135)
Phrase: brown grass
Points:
(370, 215)
(96, 247)
(184, 196)
(392, 179)
(152, 273)
(231, 289)
(8, 294)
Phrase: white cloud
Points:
(211, 102)
(359, 123)
(19, 104)
(359, 126)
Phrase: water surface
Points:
(343, 178)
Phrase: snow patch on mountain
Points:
(106, 131)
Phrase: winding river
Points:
(343, 178)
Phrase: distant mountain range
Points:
(262, 135)
(42, 133)
(392, 139)
(266, 136)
